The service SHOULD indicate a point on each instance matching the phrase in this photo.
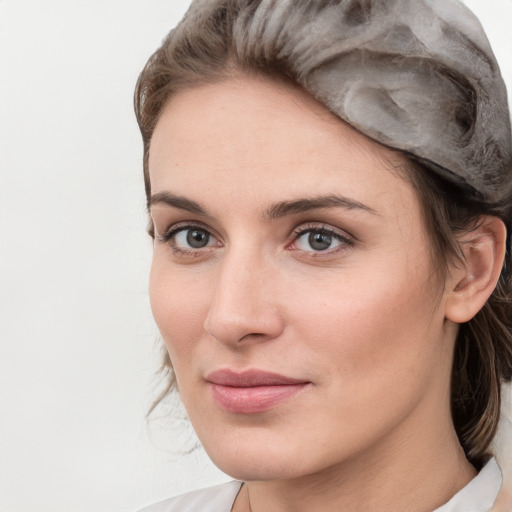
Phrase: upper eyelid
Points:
(327, 229)
(184, 225)
(296, 232)
(345, 239)
(321, 226)
(169, 238)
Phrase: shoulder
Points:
(212, 499)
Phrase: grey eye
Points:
(197, 238)
(315, 241)
(192, 238)
(319, 241)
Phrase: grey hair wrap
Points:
(415, 75)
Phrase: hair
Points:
(207, 47)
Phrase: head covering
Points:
(416, 75)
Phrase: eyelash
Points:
(169, 237)
(346, 241)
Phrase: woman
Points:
(329, 188)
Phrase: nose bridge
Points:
(243, 307)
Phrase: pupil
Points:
(197, 238)
(320, 241)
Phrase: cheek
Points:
(179, 302)
(374, 344)
(374, 328)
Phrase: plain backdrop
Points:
(79, 349)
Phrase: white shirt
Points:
(478, 496)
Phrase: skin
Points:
(366, 322)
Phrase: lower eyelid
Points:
(344, 241)
(169, 237)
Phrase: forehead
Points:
(255, 137)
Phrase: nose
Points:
(244, 308)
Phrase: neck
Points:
(417, 473)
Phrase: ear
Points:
(472, 280)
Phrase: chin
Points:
(254, 460)
(264, 468)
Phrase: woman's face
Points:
(292, 283)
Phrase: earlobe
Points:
(473, 280)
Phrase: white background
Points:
(78, 346)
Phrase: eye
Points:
(192, 238)
(186, 239)
(320, 239)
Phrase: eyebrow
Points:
(275, 211)
(177, 202)
(315, 203)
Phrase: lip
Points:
(251, 391)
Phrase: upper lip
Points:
(250, 378)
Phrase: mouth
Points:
(252, 391)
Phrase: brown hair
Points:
(201, 51)
(483, 349)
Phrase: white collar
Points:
(480, 494)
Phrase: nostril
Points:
(243, 326)
(256, 336)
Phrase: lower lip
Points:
(252, 400)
